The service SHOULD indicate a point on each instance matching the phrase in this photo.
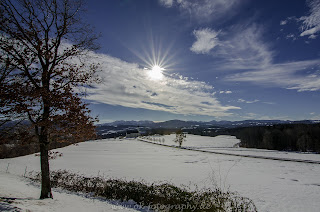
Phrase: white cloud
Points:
(241, 49)
(206, 39)
(311, 23)
(286, 75)
(128, 85)
(311, 31)
(248, 116)
(248, 102)
(291, 36)
(269, 103)
(166, 3)
(284, 22)
(205, 10)
(245, 49)
(313, 36)
(314, 116)
(226, 92)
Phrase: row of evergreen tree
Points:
(295, 137)
(287, 137)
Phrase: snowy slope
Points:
(273, 185)
(24, 196)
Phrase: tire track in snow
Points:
(233, 154)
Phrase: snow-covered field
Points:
(199, 141)
(227, 144)
(272, 185)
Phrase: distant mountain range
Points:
(225, 124)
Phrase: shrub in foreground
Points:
(162, 197)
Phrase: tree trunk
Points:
(45, 172)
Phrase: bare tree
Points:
(180, 138)
(43, 46)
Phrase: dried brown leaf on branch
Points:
(45, 52)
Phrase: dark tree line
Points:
(288, 137)
(295, 137)
(212, 131)
(18, 139)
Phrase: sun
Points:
(156, 73)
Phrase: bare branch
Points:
(41, 42)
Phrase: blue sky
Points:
(206, 59)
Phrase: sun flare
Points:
(156, 73)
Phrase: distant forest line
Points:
(283, 137)
(19, 139)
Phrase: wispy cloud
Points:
(291, 75)
(127, 84)
(248, 102)
(315, 116)
(239, 48)
(166, 3)
(284, 22)
(242, 49)
(311, 23)
(206, 39)
(226, 92)
(291, 36)
(248, 116)
(205, 10)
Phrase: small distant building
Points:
(132, 133)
